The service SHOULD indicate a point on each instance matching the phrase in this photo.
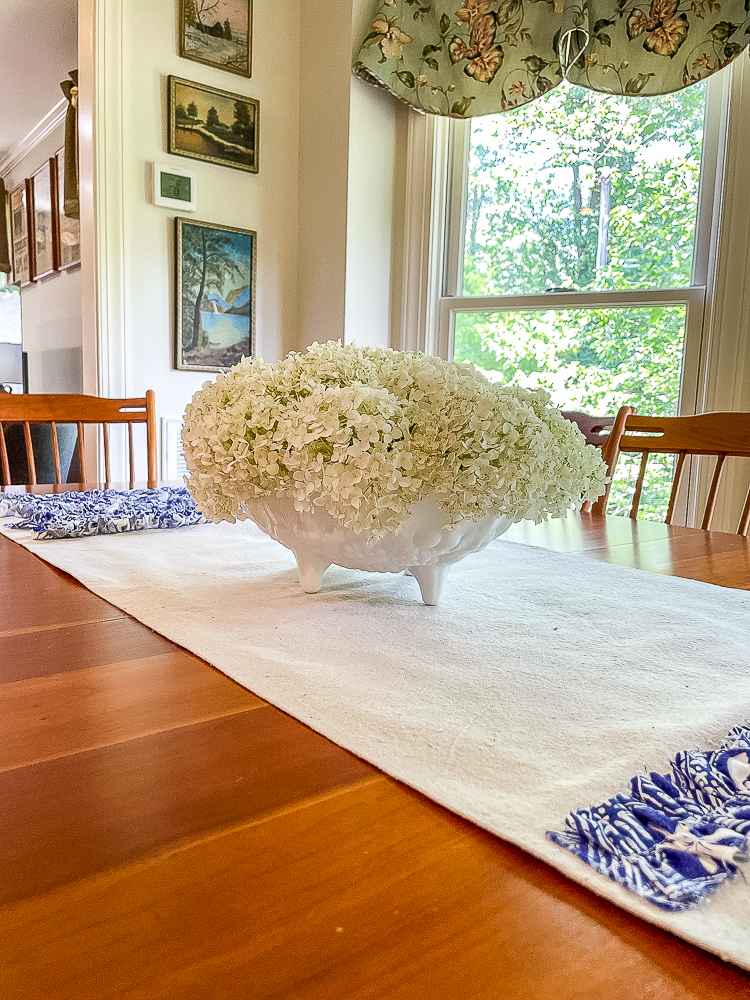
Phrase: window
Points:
(584, 192)
(612, 276)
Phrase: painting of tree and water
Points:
(214, 125)
(218, 33)
(215, 308)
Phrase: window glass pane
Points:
(594, 360)
(584, 191)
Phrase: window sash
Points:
(693, 298)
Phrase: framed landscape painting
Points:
(215, 295)
(217, 33)
(214, 125)
(19, 221)
(44, 219)
(69, 230)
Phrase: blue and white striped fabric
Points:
(101, 512)
(677, 837)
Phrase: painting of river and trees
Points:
(213, 125)
(218, 33)
(215, 300)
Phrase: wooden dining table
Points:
(168, 834)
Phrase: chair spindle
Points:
(29, 452)
(81, 456)
(56, 453)
(639, 486)
(4, 457)
(745, 519)
(132, 455)
(711, 502)
(675, 487)
(105, 433)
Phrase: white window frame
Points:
(715, 371)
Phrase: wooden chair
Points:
(719, 434)
(29, 410)
(604, 433)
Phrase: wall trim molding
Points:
(44, 127)
(425, 218)
(106, 185)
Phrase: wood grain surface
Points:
(166, 834)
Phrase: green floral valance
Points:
(479, 57)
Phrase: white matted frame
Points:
(174, 187)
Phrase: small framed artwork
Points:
(217, 33)
(44, 219)
(213, 125)
(68, 230)
(215, 295)
(175, 188)
(20, 228)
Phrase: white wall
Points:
(136, 252)
(325, 244)
(375, 212)
(374, 219)
(324, 71)
(51, 306)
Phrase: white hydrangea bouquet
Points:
(368, 435)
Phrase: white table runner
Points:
(542, 683)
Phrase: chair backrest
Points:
(719, 434)
(31, 409)
(604, 433)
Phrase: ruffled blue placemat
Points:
(677, 836)
(101, 512)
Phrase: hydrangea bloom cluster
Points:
(365, 433)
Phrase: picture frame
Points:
(213, 125)
(175, 188)
(227, 43)
(68, 230)
(215, 285)
(43, 212)
(20, 224)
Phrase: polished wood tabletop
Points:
(167, 834)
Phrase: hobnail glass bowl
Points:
(423, 546)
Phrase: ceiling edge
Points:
(32, 139)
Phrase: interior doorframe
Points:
(100, 104)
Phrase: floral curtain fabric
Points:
(462, 58)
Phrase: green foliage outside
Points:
(585, 192)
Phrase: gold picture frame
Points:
(213, 125)
(227, 43)
(20, 223)
(215, 285)
(68, 230)
(43, 213)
